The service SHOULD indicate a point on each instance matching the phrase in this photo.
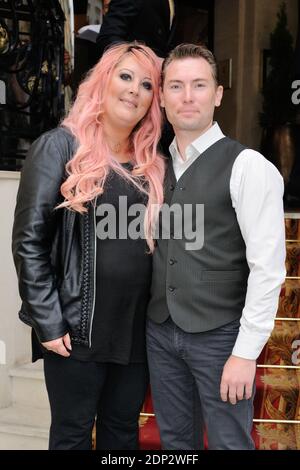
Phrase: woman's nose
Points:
(134, 87)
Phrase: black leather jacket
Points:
(54, 250)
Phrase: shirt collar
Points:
(199, 145)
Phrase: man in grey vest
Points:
(213, 303)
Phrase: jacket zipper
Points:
(95, 255)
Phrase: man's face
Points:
(105, 6)
(190, 95)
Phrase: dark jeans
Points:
(179, 364)
(78, 389)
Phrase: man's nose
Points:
(188, 94)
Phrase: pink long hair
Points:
(88, 169)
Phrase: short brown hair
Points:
(184, 51)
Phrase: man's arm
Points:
(256, 191)
(118, 22)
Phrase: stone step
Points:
(28, 385)
(24, 428)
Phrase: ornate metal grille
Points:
(31, 74)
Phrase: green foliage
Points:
(278, 108)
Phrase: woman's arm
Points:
(33, 230)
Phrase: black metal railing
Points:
(31, 75)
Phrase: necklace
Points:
(121, 150)
(116, 147)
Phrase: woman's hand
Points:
(59, 345)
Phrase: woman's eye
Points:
(125, 76)
(147, 85)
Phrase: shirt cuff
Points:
(249, 346)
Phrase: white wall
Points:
(14, 335)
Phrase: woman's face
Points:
(129, 94)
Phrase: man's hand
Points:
(59, 345)
(237, 379)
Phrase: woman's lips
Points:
(130, 103)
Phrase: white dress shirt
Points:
(256, 189)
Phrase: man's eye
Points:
(147, 85)
(125, 76)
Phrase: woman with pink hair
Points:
(83, 260)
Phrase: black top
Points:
(147, 21)
(123, 278)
